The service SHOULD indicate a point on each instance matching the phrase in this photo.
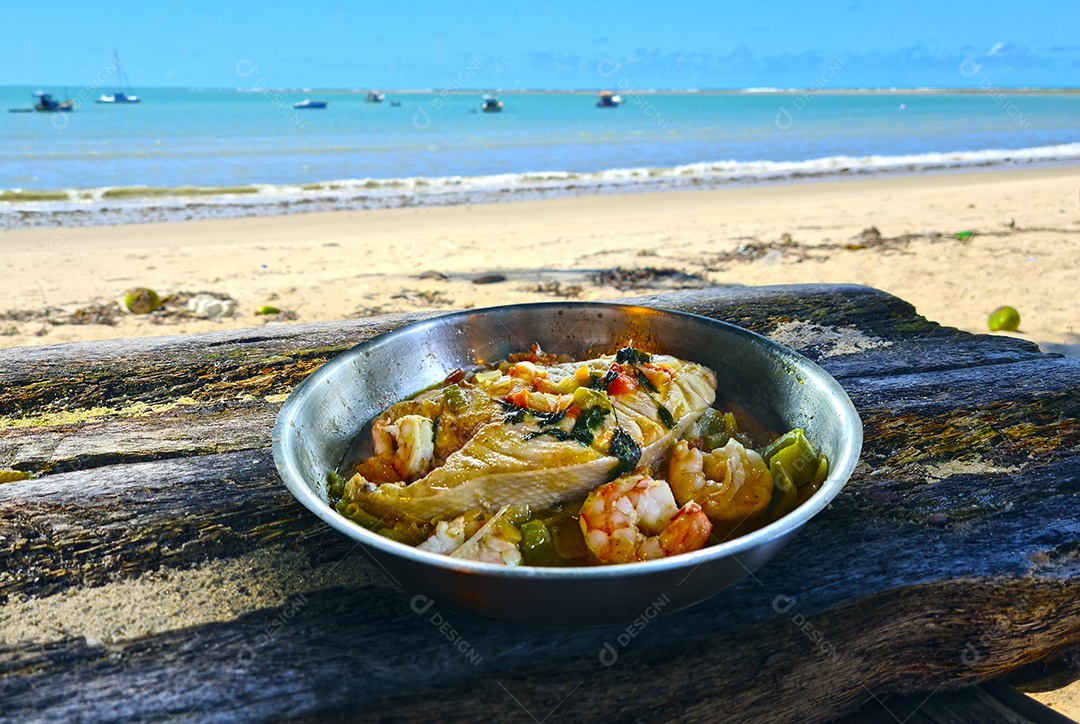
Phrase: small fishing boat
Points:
(119, 97)
(47, 104)
(491, 104)
(607, 99)
(374, 97)
(308, 103)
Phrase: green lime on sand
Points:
(142, 300)
(267, 309)
(1004, 319)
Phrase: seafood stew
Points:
(547, 461)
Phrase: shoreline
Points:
(120, 205)
(332, 265)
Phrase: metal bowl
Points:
(324, 415)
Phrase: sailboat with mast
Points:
(119, 96)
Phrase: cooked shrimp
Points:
(496, 542)
(732, 484)
(410, 439)
(635, 518)
(491, 549)
(447, 537)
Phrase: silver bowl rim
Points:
(839, 470)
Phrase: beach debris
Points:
(106, 313)
(931, 233)
(97, 313)
(211, 306)
(432, 274)
(169, 309)
(366, 311)
(785, 238)
(489, 279)
(141, 300)
(427, 298)
(267, 309)
(625, 279)
(772, 251)
(1004, 319)
(554, 288)
(870, 236)
(964, 235)
(27, 315)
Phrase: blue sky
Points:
(565, 44)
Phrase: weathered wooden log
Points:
(949, 559)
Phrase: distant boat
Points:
(119, 97)
(374, 97)
(491, 104)
(46, 103)
(607, 99)
(309, 104)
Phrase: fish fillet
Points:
(505, 463)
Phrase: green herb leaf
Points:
(514, 415)
(548, 418)
(588, 421)
(631, 355)
(626, 451)
(646, 382)
(665, 416)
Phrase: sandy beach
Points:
(1022, 251)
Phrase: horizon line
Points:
(788, 90)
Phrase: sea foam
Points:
(131, 204)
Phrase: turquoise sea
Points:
(213, 153)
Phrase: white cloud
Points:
(995, 50)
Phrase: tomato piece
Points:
(519, 398)
(622, 385)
